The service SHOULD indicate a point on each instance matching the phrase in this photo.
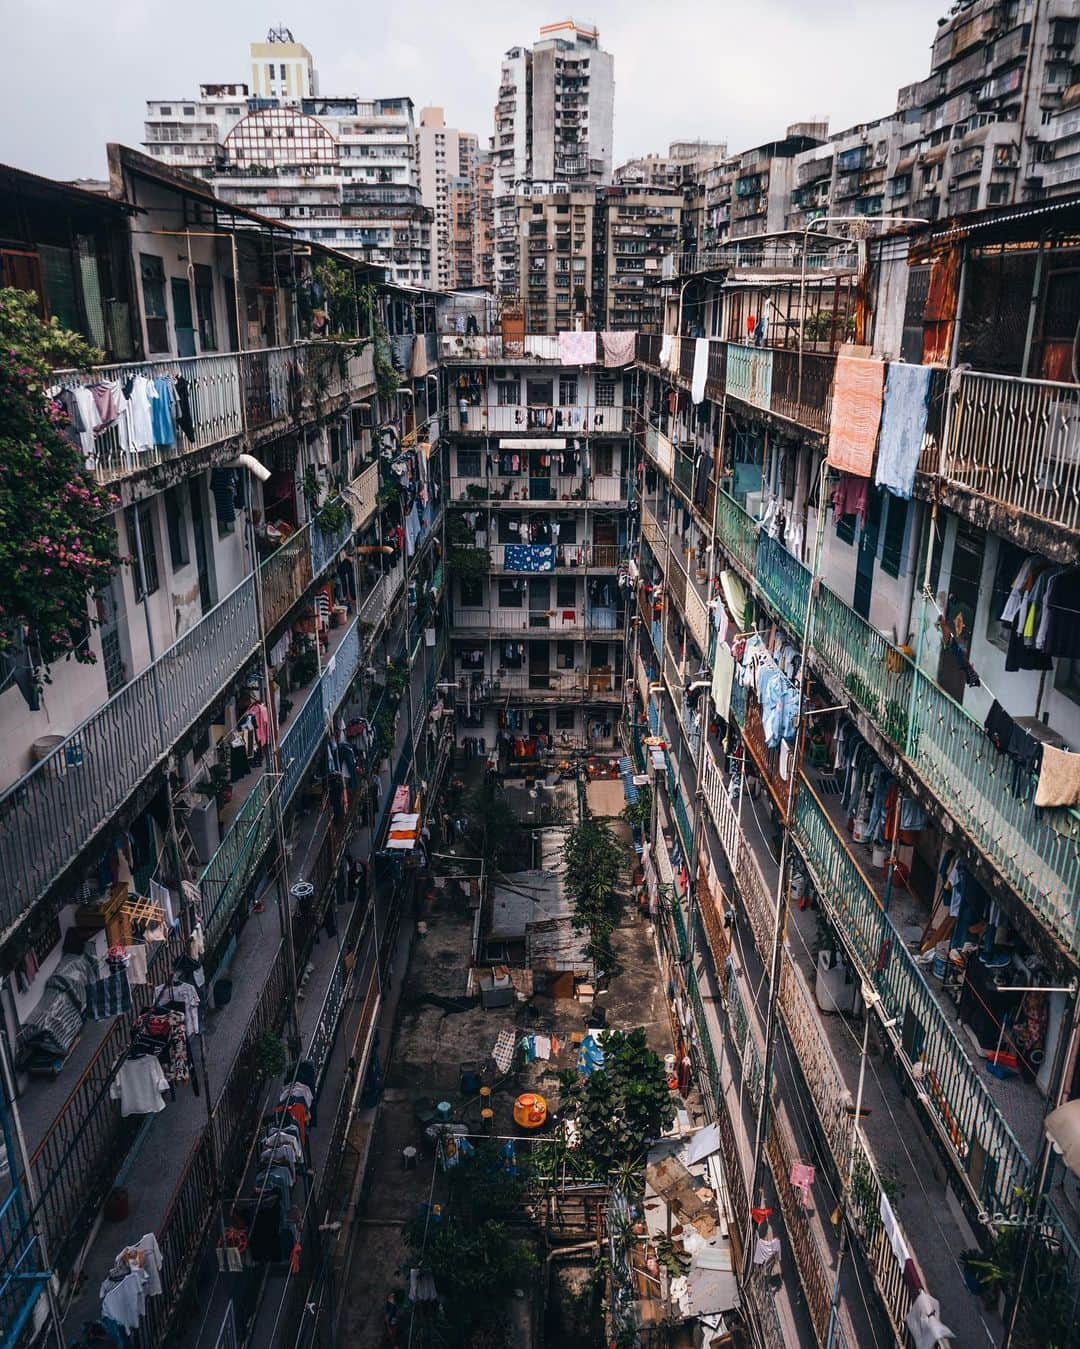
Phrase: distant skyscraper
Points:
(446, 162)
(553, 124)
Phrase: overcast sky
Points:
(78, 75)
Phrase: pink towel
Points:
(858, 392)
(577, 348)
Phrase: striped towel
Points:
(856, 414)
(503, 1053)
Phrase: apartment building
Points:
(985, 126)
(446, 156)
(342, 171)
(540, 464)
(553, 123)
(213, 796)
(684, 163)
(591, 258)
(861, 904)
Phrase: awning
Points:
(533, 443)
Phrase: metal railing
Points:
(564, 683)
(362, 495)
(280, 383)
(568, 556)
(749, 374)
(765, 254)
(540, 622)
(54, 810)
(806, 400)
(968, 1121)
(1017, 442)
(300, 741)
(945, 745)
(571, 419)
(522, 488)
(208, 403)
(532, 346)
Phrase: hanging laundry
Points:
(701, 369)
(903, 426)
(1059, 778)
(163, 411)
(619, 347)
(856, 414)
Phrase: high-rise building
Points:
(282, 67)
(444, 156)
(339, 170)
(553, 123)
(685, 163)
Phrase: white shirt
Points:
(141, 424)
(139, 1085)
(123, 1302)
(84, 401)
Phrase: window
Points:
(204, 307)
(189, 112)
(568, 390)
(176, 520)
(566, 592)
(165, 111)
(510, 596)
(155, 310)
(149, 549)
(605, 393)
(1009, 559)
(1067, 678)
(892, 544)
(509, 392)
(468, 463)
(538, 392)
(564, 718)
(845, 528)
(472, 592)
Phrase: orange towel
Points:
(858, 393)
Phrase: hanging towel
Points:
(903, 425)
(1059, 778)
(577, 348)
(701, 369)
(665, 350)
(927, 1328)
(893, 1232)
(618, 348)
(722, 679)
(856, 414)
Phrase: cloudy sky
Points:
(78, 75)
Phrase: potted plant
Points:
(269, 1054)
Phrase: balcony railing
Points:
(568, 556)
(54, 810)
(520, 487)
(945, 745)
(514, 683)
(303, 736)
(968, 1120)
(1017, 442)
(362, 495)
(565, 419)
(285, 575)
(212, 391)
(280, 383)
(807, 401)
(531, 347)
(540, 622)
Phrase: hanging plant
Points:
(332, 517)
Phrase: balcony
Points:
(539, 687)
(538, 491)
(282, 384)
(569, 419)
(54, 811)
(362, 496)
(540, 623)
(944, 746)
(569, 557)
(531, 347)
(213, 387)
(1016, 442)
